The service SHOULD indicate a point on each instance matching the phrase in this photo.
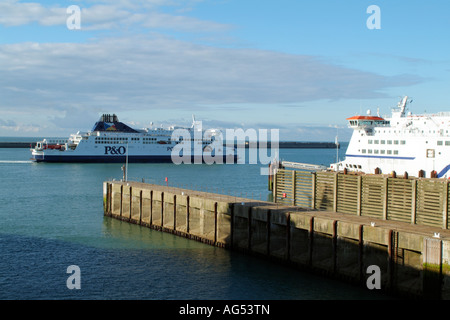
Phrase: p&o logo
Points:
(115, 150)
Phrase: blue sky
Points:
(300, 66)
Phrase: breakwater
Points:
(409, 259)
(17, 144)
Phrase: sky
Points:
(302, 67)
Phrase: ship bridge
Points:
(367, 121)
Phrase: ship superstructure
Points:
(416, 144)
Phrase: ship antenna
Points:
(402, 105)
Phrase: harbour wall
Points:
(412, 260)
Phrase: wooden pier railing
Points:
(421, 201)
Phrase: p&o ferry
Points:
(416, 144)
(113, 141)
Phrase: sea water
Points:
(51, 218)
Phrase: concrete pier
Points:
(411, 260)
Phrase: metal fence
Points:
(413, 200)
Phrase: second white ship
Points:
(416, 144)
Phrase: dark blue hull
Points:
(121, 159)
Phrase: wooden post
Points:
(140, 207)
(445, 205)
(110, 198)
(359, 196)
(275, 187)
(174, 212)
(215, 223)
(131, 201)
(121, 200)
(106, 200)
(151, 209)
(162, 210)
(413, 201)
(313, 191)
(335, 192)
(187, 214)
(293, 187)
(385, 199)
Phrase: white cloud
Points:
(142, 72)
(52, 81)
(98, 15)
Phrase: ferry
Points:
(404, 143)
(113, 141)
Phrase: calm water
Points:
(51, 217)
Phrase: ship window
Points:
(363, 150)
(369, 151)
(389, 142)
(376, 141)
(395, 151)
(376, 151)
(439, 143)
(370, 141)
(402, 142)
(389, 151)
(382, 151)
(359, 166)
(383, 141)
(447, 143)
(395, 141)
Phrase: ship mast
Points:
(402, 105)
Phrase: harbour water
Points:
(51, 217)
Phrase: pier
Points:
(412, 259)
